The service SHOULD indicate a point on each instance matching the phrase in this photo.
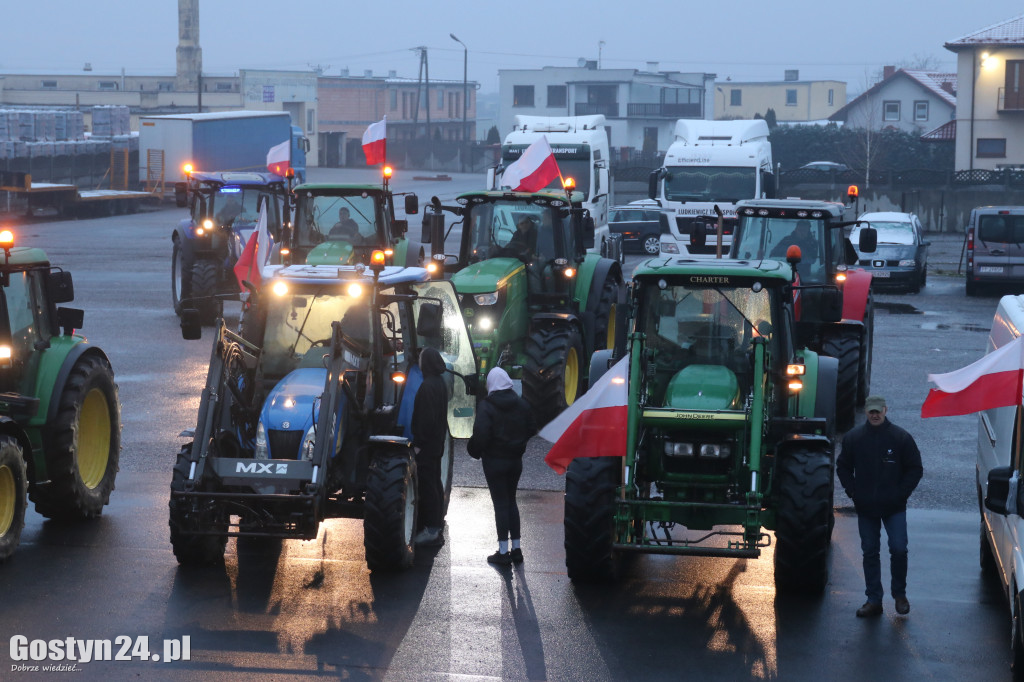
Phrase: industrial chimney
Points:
(190, 55)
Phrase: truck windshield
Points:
(510, 229)
(768, 237)
(353, 219)
(727, 184)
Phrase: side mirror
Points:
(473, 387)
(588, 232)
(70, 319)
(436, 233)
(698, 234)
(868, 241)
(428, 322)
(400, 227)
(412, 204)
(191, 327)
(180, 195)
(1003, 495)
(652, 184)
(59, 287)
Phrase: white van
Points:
(999, 467)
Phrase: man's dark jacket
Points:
(430, 407)
(504, 424)
(879, 468)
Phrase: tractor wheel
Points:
(604, 334)
(802, 533)
(13, 482)
(447, 472)
(205, 285)
(846, 349)
(181, 280)
(189, 549)
(590, 485)
(83, 444)
(389, 521)
(553, 371)
(864, 361)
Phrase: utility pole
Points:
(465, 100)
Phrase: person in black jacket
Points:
(429, 432)
(504, 424)
(879, 467)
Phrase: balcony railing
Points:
(1012, 100)
(609, 110)
(664, 110)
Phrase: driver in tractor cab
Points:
(524, 242)
(345, 228)
(229, 211)
(800, 236)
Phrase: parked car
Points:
(901, 259)
(825, 166)
(995, 247)
(639, 224)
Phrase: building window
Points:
(890, 111)
(311, 121)
(735, 98)
(108, 85)
(920, 111)
(165, 86)
(991, 148)
(790, 98)
(224, 87)
(522, 95)
(557, 96)
(50, 84)
(831, 97)
(394, 99)
(440, 99)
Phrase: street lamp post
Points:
(465, 99)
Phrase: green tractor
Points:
(60, 430)
(343, 224)
(729, 429)
(537, 303)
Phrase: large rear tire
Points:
(803, 529)
(190, 549)
(83, 444)
(13, 484)
(551, 377)
(604, 333)
(590, 485)
(181, 280)
(389, 521)
(864, 361)
(205, 286)
(846, 349)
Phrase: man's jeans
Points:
(870, 544)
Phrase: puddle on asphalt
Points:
(907, 309)
(898, 308)
(932, 326)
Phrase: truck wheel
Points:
(195, 550)
(13, 482)
(447, 471)
(864, 361)
(590, 485)
(1016, 635)
(390, 513)
(181, 283)
(83, 444)
(802, 536)
(846, 349)
(205, 285)
(604, 334)
(554, 367)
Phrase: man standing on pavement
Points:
(879, 467)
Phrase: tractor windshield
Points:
(514, 229)
(239, 207)
(355, 219)
(710, 183)
(770, 237)
(298, 322)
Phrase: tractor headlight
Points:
(679, 449)
(908, 263)
(484, 324)
(669, 247)
(486, 299)
(714, 450)
(261, 442)
(306, 451)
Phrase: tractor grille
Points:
(284, 444)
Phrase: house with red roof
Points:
(910, 100)
(990, 103)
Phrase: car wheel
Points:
(652, 244)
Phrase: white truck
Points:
(710, 164)
(580, 146)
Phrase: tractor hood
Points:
(291, 407)
(486, 276)
(330, 253)
(703, 387)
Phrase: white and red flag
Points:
(996, 380)
(533, 170)
(279, 158)
(375, 142)
(256, 254)
(594, 425)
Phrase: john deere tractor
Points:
(729, 428)
(537, 303)
(307, 410)
(60, 420)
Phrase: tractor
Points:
(729, 428)
(224, 213)
(307, 409)
(764, 231)
(60, 419)
(537, 303)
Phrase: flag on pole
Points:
(533, 170)
(256, 254)
(375, 142)
(279, 158)
(594, 425)
(996, 380)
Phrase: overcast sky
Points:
(744, 40)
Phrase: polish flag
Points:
(594, 425)
(533, 170)
(256, 254)
(375, 142)
(994, 381)
(279, 158)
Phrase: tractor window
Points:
(21, 294)
(508, 229)
(769, 237)
(297, 323)
(354, 219)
